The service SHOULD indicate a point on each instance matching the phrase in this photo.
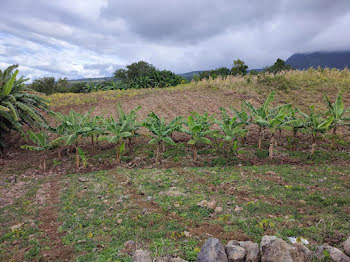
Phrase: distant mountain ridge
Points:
(338, 59)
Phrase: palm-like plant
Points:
(243, 118)
(198, 127)
(231, 128)
(161, 131)
(274, 120)
(261, 113)
(17, 105)
(117, 132)
(315, 124)
(132, 125)
(42, 143)
(71, 129)
(338, 111)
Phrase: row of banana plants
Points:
(233, 125)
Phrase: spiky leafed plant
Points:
(231, 128)
(117, 132)
(42, 143)
(198, 127)
(18, 104)
(260, 113)
(273, 120)
(132, 125)
(161, 131)
(337, 110)
(315, 124)
(243, 118)
(71, 129)
(97, 129)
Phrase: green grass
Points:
(309, 202)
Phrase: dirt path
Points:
(48, 217)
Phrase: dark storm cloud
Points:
(95, 37)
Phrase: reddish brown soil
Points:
(49, 225)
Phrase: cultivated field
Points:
(88, 214)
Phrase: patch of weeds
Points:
(262, 153)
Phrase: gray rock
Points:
(274, 249)
(130, 246)
(252, 251)
(212, 251)
(234, 252)
(177, 259)
(142, 256)
(346, 246)
(334, 253)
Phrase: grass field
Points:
(87, 215)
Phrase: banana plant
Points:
(231, 128)
(161, 131)
(72, 128)
(42, 143)
(338, 111)
(243, 118)
(132, 125)
(273, 120)
(117, 133)
(198, 128)
(316, 124)
(260, 113)
(18, 106)
(97, 129)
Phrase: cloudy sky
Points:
(92, 38)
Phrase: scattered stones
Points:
(177, 259)
(142, 256)
(238, 209)
(234, 252)
(15, 242)
(187, 234)
(252, 251)
(129, 246)
(173, 192)
(208, 204)
(218, 210)
(212, 251)
(18, 226)
(274, 249)
(334, 253)
(346, 246)
(83, 179)
(81, 241)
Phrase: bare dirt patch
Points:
(49, 225)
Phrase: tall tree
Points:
(239, 67)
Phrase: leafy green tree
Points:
(239, 68)
(198, 128)
(71, 129)
(44, 85)
(42, 143)
(18, 106)
(161, 131)
(231, 128)
(134, 70)
(278, 66)
(340, 115)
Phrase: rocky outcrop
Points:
(212, 251)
